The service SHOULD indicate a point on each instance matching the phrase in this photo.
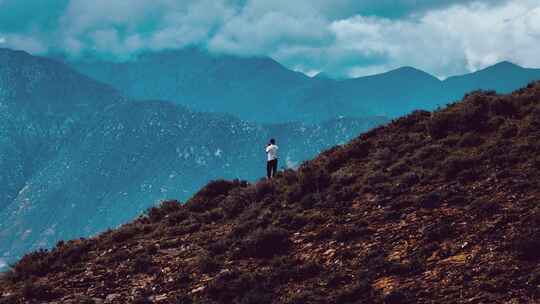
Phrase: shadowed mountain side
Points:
(434, 207)
(42, 102)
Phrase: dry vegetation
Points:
(436, 207)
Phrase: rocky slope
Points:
(433, 208)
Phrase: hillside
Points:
(433, 208)
(76, 157)
(259, 89)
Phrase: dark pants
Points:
(271, 168)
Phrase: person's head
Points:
(272, 141)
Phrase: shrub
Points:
(527, 247)
(471, 139)
(119, 256)
(376, 177)
(502, 106)
(495, 122)
(140, 299)
(233, 286)
(266, 243)
(399, 168)
(308, 201)
(32, 264)
(256, 296)
(483, 207)
(219, 247)
(155, 214)
(142, 264)
(452, 166)
(508, 130)
(285, 270)
(430, 200)
(263, 189)
(235, 203)
(209, 264)
(475, 110)
(291, 221)
(442, 123)
(212, 194)
(437, 231)
(211, 216)
(409, 179)
(396, 297)
(125, 233)
(312, 180)
(35, 291)
(355, 150)
(177, 217)
(338, 278)
(360, 290)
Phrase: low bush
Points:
(32, 264)
(219, 247)
(235, 203)
(359, 291)
(125, 233)
(213, 194)
(437, 231)
(209, 264)
(409, 179)
(430, 200)
(266, 243)
(142, 264)
(470, 140)
(503, 106)
(527, 246)
(397, 297)
(452, 166)
(177, 217)
(34, 291)
(508, 130)
(155, 214)
(442, 123)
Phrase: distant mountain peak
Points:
(505, 65)
(405, 72)
(409, 70)
(11, 52)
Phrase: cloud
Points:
(448, 41)
(339, 37)
(2, 40)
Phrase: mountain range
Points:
(259, 89)
(77, 157)
(83, 153)
(435, 207)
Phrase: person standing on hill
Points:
(272, 158)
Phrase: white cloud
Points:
(448, 41)
(340, 37)
(2, 40)
(24, 42)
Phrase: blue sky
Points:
(345, 38)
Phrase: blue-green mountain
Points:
(259, 89)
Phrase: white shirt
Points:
(271, 152)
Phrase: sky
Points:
(343, 38)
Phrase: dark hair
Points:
(272, 141)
